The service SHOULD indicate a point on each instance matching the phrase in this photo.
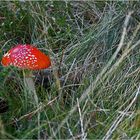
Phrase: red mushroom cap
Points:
(26, 57)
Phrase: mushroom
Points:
(27, 57)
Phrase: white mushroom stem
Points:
(30, 86)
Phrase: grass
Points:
(92, 89)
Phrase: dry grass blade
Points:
(118, 120)
(94, 84)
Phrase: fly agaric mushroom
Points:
(26, 57)
(30, 58)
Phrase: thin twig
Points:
(30, 114)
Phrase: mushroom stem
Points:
(30, 86)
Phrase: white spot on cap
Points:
(7, 54)
(15, 50)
